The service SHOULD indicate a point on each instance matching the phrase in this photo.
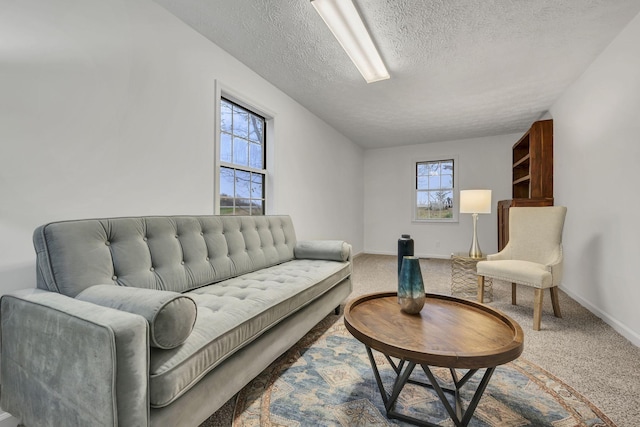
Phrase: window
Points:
(242, 160)
(435, 185)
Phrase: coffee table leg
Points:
(374, 366)
(477, 395)
(397, 368)
(459, 417)
(401, 380)
(398, 385)
(458, 399)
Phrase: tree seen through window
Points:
(242, 160)
(434, 190)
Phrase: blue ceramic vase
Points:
(410, 286)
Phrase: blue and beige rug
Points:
(326, 380)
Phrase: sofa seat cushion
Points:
(233, 313)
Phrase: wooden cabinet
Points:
(532, 174)
(533, 163)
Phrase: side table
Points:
(464, 280)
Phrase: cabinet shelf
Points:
(523, 179)
(521, 162)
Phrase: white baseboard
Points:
(614, 323)
(7, 420)
(438, 256)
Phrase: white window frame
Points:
(456, 198)
(223, 91)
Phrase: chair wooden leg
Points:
(480, 288)
(537, 309)
(555, 302)
(513, 294)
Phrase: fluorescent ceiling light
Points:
(345, 23)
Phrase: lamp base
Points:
(475, 251)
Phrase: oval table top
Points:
(449, 332)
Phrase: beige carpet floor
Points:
(580, 349)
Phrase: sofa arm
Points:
(333, 250)
(72, 363)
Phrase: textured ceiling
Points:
(459, 68)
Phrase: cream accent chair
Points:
(532, 257)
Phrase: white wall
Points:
(389, 183)
(597, 155)
(107, 109)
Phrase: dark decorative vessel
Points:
(405, 248)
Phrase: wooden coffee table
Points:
(449, 332)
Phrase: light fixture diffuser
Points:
(343, 19)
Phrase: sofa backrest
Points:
(175, 253)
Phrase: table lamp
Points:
(475, 202)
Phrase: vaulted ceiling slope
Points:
(459, 68)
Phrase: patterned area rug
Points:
(326, 380)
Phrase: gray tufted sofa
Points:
(159, 320)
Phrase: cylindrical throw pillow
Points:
(171, 315)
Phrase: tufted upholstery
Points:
(168, 253)
(256, 292)
(233, 313)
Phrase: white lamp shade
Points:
(475, 201)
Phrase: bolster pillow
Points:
(333, 250)
(171, 316)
